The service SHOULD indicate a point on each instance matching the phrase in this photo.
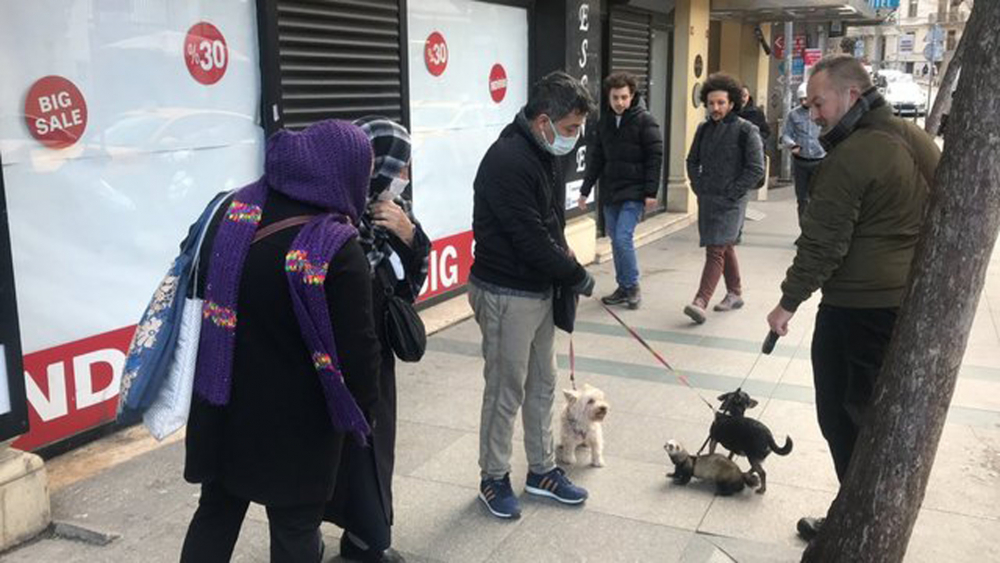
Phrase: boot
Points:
(730, 302)
(633, 296)
(696, 310)
(809, 527)
(617, 298)
(349, 551)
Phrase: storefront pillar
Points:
(690, 68)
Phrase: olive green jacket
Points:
(866, 206)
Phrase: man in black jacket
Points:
(627, 156)
(521, 253)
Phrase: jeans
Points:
(848, 348)
(520, 373)
(620, 220)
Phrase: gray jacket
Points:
(800, 130)
(726, 162)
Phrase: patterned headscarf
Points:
(326, 165)
(391, 145)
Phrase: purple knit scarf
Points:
(326, 165)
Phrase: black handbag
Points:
(404, 329)
(564, 302)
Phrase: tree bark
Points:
(942, 102)
(873, 516)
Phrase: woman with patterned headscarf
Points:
(288, 357)
(397, 250)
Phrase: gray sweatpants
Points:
(519, 349)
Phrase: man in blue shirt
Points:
(801, 135)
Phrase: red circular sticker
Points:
(498, 83)
(206, 53)
(55, 112)
(436, 54)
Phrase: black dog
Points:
(744, 436)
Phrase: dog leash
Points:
(572, 363)
(765, 350)
(680, 377)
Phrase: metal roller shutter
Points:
(339, 59)
(630, 44)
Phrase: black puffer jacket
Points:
(626, 157)
(518, 216)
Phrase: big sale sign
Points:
(104, 169)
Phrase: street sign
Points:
(934, 50)
(883, 4)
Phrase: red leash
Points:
(572, 363)
(680, 377)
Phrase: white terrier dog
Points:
(581, 425)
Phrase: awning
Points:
(847, 11)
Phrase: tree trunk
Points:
(876, 509)
(942, 103)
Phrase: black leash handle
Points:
(769, 342)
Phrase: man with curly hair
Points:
(726, 161)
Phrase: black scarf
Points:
(868, 101)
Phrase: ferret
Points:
(717, 468)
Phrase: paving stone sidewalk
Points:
(635, 513)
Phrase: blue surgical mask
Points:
(560, 145)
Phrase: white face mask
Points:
(561, 145)
(396, 188)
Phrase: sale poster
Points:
(113, 139)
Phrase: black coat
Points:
(755, 114)
(274, 443)
(383, 414)
(518, 215)
(626, 157)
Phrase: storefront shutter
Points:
(339, 59)
(630, 44)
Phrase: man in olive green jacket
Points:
(858, 237)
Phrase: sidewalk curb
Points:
(648, 232)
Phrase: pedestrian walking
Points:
(397, 250)
(801, 135)
(521, 253)
(288, 358)
(726, 161)
(857, 244)
(626, 155)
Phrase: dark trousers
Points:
(215, 527)
(719, 261)
(366, 519)
(802, 170)
(848, 348)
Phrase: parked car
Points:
(906, 98)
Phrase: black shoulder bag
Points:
(404, 329)
(564, 302)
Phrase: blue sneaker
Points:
(498, 496)
(555, 484)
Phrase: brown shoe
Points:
(696, 312)
(729, 303)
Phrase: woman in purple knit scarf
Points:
(288, 358)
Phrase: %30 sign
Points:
(206, 53)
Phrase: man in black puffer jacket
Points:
(521, 253)
(627, 156)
